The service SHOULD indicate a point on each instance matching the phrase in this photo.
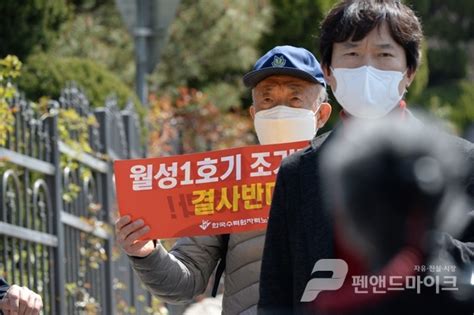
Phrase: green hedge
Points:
(453, 101)
(27, 26)
(47, 75)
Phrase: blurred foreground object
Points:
(398, 192)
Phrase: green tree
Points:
(10, 68)
(449, 27)
(451, 101)
(30, 25)
(296, 22)
(46, 76)
(448, 59)
(89, 5)
(422, 76)
(96, 32)
(185, 121)
(452, 21)
(212, 43)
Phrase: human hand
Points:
(21, 301)
(128, 235)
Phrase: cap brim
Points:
(252, 78)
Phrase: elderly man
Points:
(288, 92)
(370, 53)
(18, 300)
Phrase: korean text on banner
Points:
(209, 193)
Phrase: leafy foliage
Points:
(187, 121)
(69, 121)
(449, 27)
(446, 64)
(45, 75)
(453, 101)
(9, 69)
(31, 25)
(296, 22)
(422, 77)
(89, 5)
(211, 44)
(437, 14)
(96, 32)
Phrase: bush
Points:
(451, 101)
(46, 75)
(421, 80)
(30, 25)
(10, 68)
(447, 64)
(186, 121)
(211, 45)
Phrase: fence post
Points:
(135, 147)
(56, 194)
(103, 119)
(134, 150)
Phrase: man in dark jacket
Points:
(396, 188)
(18, 300)
(370, 53)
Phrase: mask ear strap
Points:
(317, 115)
(407, 86)
(318, 107)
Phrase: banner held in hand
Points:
(217, 192)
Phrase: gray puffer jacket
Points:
(184, 272)
(181, 274)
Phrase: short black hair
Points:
(354, 19)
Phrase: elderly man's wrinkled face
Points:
(286, 90)
(292, 92)
(286, 109)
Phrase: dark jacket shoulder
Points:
(290, 164)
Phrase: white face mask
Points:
(282, 124)
(367, 92)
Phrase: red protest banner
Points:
(216, 192)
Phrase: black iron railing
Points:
(57, 204)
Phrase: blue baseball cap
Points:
(286, 60)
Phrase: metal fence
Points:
(57, 205)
